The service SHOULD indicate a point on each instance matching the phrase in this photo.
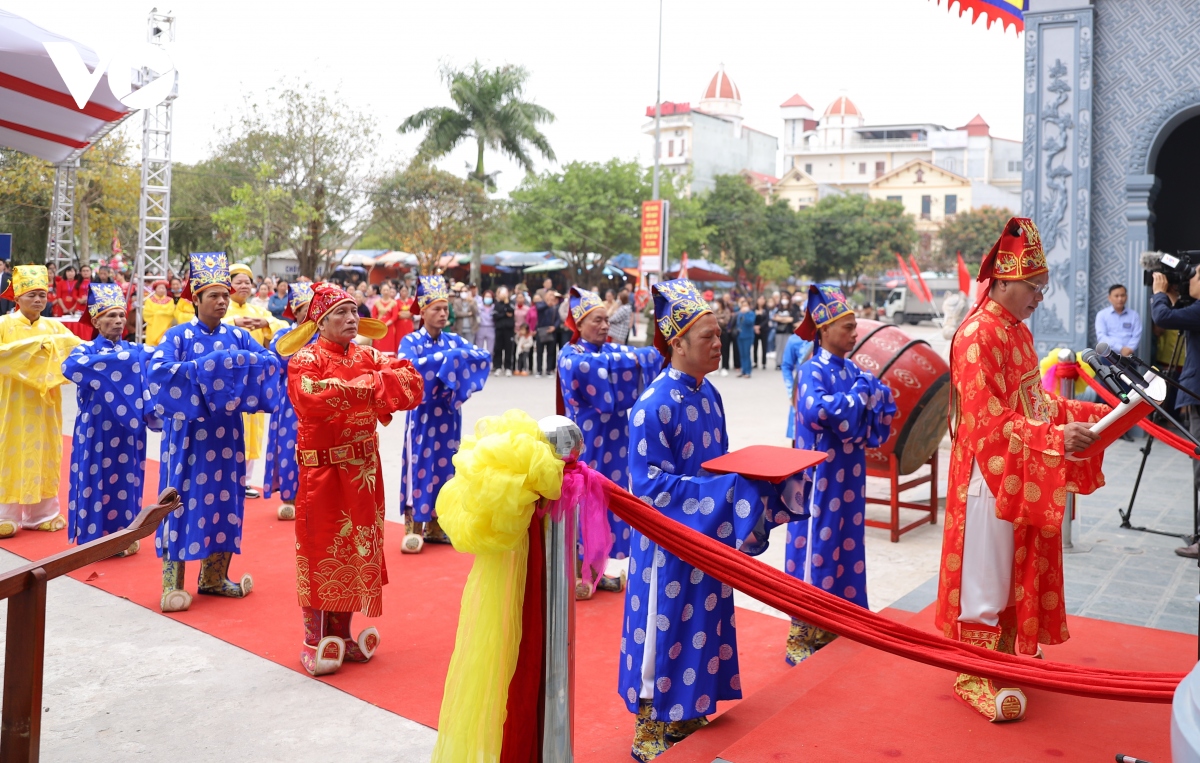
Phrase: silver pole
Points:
(657, 106)
(1066, 388)
(559, 659)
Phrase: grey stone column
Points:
(1057, 185)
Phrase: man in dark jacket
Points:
(548, 323)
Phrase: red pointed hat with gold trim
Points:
(325, 297)
(1017, 255)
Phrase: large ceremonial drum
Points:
(919, 380)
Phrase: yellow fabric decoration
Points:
(290, 343)
(371, 328)
(1051, 359)
(486, 509)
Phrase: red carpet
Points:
(417, 628)
(885, 707)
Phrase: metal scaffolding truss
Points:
(60, 244)
(154, 211)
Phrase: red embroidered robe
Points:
(339, 395)
(1011, 427)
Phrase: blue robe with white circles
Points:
(842, 410)
(201, 381)
(599, 384)
(685, 615)
(282, 473)
(453, 370)
(108, 455)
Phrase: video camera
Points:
(1178, 268)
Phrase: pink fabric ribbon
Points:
(584, 487)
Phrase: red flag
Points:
(683, 266)
(912, 286)
(964, 276)
(920, 280)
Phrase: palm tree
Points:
(488, 107)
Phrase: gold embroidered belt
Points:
(338, 453)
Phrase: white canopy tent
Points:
(39, 117)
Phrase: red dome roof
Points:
(843, 106)
(722, 87)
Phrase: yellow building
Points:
(930, 194)
(798, 188)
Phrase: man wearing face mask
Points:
(204, 375)
(261, 326)
(32, 351)
(453, 370)
(341, 392)
(114, 411)
(785, 325)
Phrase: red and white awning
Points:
(37, 114)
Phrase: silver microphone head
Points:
(1103, 350)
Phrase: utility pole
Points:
(658, 105)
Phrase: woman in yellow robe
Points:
(159, 313)
(32, 350)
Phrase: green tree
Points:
(852, 235)
(107, 192)
(737, 215)
(588, 213)
(198, 191)
(489, 108)
(255, 218)
(688, 229)
(973, 233)
(317, 148)
(428, 212)
(26, 185)
(786, 242)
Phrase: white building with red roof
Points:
(709, 139)
(841, 151)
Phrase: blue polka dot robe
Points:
(108, 454)
(453, 370)
(599, 384)
(281, 473)
(841, 410)
(201, 382)
(678, 643)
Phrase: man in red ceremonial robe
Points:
(1001, 582)
(341, 391)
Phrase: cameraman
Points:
(1183, 319)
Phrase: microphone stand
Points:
(1127, 513)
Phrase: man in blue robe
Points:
(453, 370)
(795, 352)
(108, 456)
(678, 646)
(282, 473)
(598, 383)
(204, 375)
(842, 410)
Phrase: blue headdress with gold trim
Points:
(580, 302)
(300, 293)
(103, 297)
(207, 269)
(826, 304)
(431, 289)
(677, 305)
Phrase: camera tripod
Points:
(1161, 417)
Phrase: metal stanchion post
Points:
(559, 666)
(1066, 388)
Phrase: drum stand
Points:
(892, 474)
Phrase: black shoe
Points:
(1189, 552)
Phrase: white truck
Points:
(903, 306)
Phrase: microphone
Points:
(1131, 363)
(1112, 381)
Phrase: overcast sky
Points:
(592, 62)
